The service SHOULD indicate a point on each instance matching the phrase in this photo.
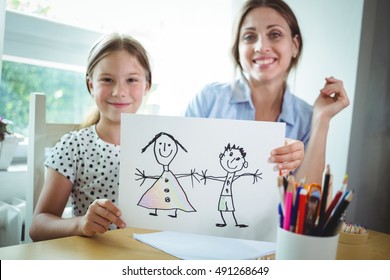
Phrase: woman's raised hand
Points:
(332, 99)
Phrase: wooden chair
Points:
(41, 135)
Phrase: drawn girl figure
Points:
(166, 193)
(232, 161)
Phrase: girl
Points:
(267, 45)
(85, 163)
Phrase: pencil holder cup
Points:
(293, 246)
(352, 246)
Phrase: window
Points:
(43, 56)
(65, 92)
(46, 43)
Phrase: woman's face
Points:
(266, 46)
(118, 85)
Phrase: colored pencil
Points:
(332, 226)
(301, 212)
(288, 203)
(281, 191)
(280, 215)
(294, 213)
(324, 197)
(313, 201)
(336, 198)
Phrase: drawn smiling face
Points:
(165, 149)
(232, 160)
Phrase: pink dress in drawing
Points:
(166, 194)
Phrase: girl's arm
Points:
(47, 222)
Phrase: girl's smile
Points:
(119, 105)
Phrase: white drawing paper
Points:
(205, 176)
(187, 246)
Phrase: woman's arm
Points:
(313, 164)
(311, 161)
(332, 100)
(47, 222)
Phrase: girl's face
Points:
(266, 46)
(118, 85)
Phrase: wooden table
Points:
(113, 245)
(120, 245)
(378, 246)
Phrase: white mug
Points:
(293, 246)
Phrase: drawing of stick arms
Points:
(142, 176)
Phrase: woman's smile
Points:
(264, 62)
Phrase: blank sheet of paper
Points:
(188, 246)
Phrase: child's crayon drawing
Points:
(205, 176)
(232, 160)
(166, 193)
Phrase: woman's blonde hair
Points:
(106, 45)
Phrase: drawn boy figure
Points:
(232, 161)
(166, 193)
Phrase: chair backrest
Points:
(41, 136)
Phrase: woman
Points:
(268, 44)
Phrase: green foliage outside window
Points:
(67, 97)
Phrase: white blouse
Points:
(91, 164)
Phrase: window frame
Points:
(36, 40)
(48, 41)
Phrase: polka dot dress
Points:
(91, 164)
